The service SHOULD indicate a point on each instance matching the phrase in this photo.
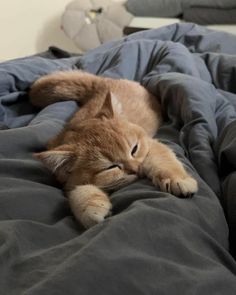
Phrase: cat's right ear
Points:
(110, 107)
(116, 105)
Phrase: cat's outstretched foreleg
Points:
(89, 204)
(166, 171)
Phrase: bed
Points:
(154, 243)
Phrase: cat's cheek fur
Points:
(107, 177)
(89, 204)
(113, 180)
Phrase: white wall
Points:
(30, 26)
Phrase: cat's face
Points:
(105, 151)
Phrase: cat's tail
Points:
(71, 85)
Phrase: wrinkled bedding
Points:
(155, 243)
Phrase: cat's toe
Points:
(89, 204)
(164, 184)
(95, 214)
(186, 187)
(181, 187)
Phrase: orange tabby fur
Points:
(107, 143)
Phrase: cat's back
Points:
(137, 104)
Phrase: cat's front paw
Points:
(178, 186)
(89, 204)
(95, 213)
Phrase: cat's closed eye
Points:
(114, 166)
(134, 150)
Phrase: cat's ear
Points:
(60, 161)
(110, 107)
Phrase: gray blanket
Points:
(155, 243)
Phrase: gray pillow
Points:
(213, 3)
(155, 8)
(210, 16)
(208, 12)
(173, 8)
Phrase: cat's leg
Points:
(165, 170)
(89, 204)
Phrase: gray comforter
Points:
(155, 243)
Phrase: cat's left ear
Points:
(111, 107)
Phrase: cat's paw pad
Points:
(181, 187)
(95, 213)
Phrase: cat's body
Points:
(108, 142)
(134, 102)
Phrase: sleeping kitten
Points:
(108, 143)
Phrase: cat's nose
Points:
(132, 168)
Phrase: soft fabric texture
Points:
(203, 12)
(210, 16)
(210, 12)
(211, 3)
(155, 8)
(173, 8)
(154, 243)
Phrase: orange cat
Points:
(108, 143)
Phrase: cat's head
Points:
(106, 151)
